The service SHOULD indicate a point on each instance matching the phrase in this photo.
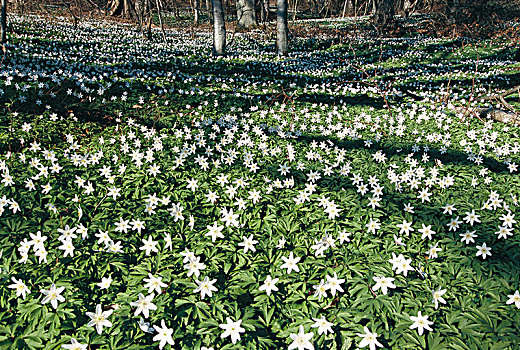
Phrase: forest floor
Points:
(348, 195)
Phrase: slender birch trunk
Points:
(219, 28)
(196, 5)
(282, 30)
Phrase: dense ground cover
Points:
(339, 198)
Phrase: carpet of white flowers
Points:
(153, 197)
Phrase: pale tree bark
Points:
(246, 13)
(122, 8)
(196, 6)
(139, 9)
(407, 5)
(114, 7)
(159, 13)
(219, 28)
(347, 7)
(295, 10)
(3, 24)
(282, 29)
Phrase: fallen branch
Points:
(503, 95)
(507, 105)
(493, 113)
(501, 98)
(496, 114)
(413, 95)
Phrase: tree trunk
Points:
(74, 18)
(313, 7)
(159, 13)
(347, 5)
(132, 8)
(129, 9)
(3, 24)
(453, 11)
(385, 12)
(246, 13)
(260, 6)
(149, 25)
(282, 30)
(122, 8)
(114, 7)
(413, 7)
(139, 9)
(295, 10)
(265, 5)
(196, 12)
(406, 7)
(149, 35)
(219, 28)
(176, 10)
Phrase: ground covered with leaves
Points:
(344, 197)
